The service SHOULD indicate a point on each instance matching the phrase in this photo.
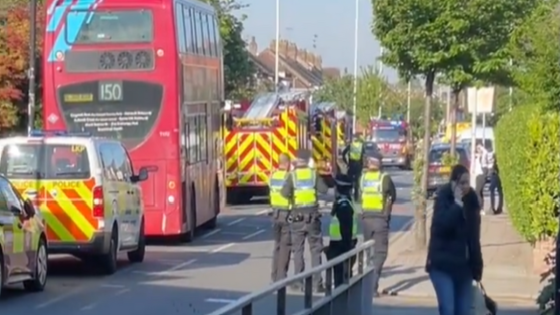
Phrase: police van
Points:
(87, 191)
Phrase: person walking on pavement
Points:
(377, 198)
(343, 228)
(454, 257)
(281, 208)
(480, 175)
(353, 156)
(302, 189)
(496, 186)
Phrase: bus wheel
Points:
(214, 221)
(191, 219)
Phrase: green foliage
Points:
(546, 297)
(372, 92)
(449, 160)
(528, 154)
(238, 70)
(537, 70)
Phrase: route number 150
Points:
(110, 91)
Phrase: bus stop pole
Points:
(32, 61)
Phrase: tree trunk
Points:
(454, 106)
(421, 209)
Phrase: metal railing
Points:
(354, 296)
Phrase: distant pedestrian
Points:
(496, 187)
(480, 174)
(454, 254)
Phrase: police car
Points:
(23, 241)
(86, 189)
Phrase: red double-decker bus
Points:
(148, 73)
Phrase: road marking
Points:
(60, 298)
(110, 285)
(221, 301)
(262, 212)
(207, 235)
(253, 234)
(88, 307)
(232, 233)
(236, 222)
(221, 248)
(123, 291)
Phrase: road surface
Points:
(219, 267)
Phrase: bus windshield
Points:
(130, 26)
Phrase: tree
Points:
(372, 92)
(238, 69)
(14, 62)
(537, 70)
(465, 40)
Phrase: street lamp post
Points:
(276, 52)
(355, 83)
(31, 70)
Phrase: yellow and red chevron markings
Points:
(252, 153)
(66, 206)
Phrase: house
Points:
(301, 68)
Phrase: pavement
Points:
(219, 267)
(508, 274)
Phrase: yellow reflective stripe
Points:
(55, 225)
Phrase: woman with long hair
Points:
(454, 255)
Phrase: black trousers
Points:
(282, 250)
(310, 230)
(377, 229)
(355, 169)
(337, 248)
(496, 186)
(479, 188)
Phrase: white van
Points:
(486, 133)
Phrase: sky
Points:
(328, 23)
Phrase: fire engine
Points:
(394, 140)
(274, 123)
(330, 130)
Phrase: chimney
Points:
(311, 59)
(292, 51)
(283, 47)
(302, 56)
(319, 62)
(253, 48)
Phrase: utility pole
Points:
(355, 77)
(31, 70)
(276, 48)
(408, 100)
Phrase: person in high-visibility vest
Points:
(281, 209)
(353, 156)
(378, 194)
(343, 228)
(302, 189)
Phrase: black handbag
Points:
(491, 305)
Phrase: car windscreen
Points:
(436, 154)
(101, 26)
(392, 134)
(45, 161)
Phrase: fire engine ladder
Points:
(261, 106)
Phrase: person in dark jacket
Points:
(496, 186)
(454, 255)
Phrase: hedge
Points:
(528, 153)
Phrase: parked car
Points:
(23, 241)
(438, 174)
